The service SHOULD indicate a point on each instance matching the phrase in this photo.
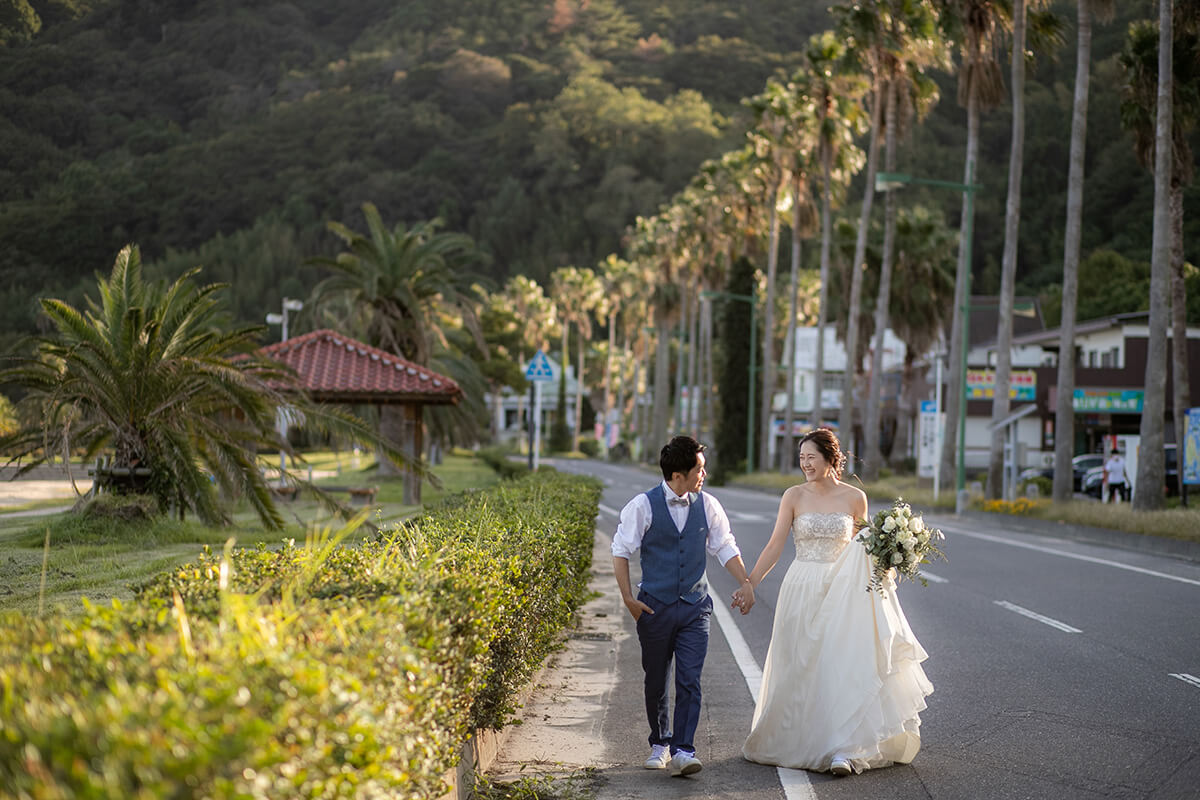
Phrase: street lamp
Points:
(745, 298)
(282, 319)
(281, 414)
(888, 181)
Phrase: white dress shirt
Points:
(636, 517)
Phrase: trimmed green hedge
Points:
(316, 671)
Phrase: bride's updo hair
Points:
(829, 448)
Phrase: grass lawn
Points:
(101, 562)
(1175, 522)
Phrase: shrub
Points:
(498, 459)
(307, 671)
(589, 446)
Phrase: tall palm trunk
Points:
(1008, 265)
(662, 383)
(1181, 382)
(904, 414)
(1147, 491)
(871, 434)
(608, 367)
(823, 291)
(694, 354)
(1064, 416)
(789, 346)
(846, 412)
(960, 334)
(685, 348)
(579, 349)
(768, 340)
(706, 369)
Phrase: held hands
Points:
(743, 598)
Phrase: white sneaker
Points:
(683, 763)
(660, 754)
(841, 766)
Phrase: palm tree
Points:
(917, 46)
(858, 26)
(1140, 59)
(396, 284)
(1150, 469)
(771, 138)
(578, 292)
(619, 278)
(839, 119)
(1064, 412)
(156, 377)
(1045, 29)
(923, 291)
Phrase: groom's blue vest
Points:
(673, 560)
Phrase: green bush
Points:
(321, 670)
(498, 459)
(589, 446)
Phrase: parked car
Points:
(1079, 468)
(1093, 479)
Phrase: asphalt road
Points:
(1062, 670)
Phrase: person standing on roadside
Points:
(1114, 476)
(675, 525)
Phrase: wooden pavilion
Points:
(334, 368)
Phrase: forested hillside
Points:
(229, 133)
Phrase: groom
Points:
(674, 525)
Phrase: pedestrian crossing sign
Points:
(539, 368)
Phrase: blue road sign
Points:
(539, 368)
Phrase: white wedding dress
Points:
(843, 673)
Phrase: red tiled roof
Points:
(336, 368)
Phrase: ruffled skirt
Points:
(843, 673)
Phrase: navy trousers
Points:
(676, 632)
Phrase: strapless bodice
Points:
(821, 536)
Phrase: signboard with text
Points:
(928, 451)
(1107, 401)
(981, 384)
(1191, 448)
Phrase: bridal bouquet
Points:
(898, 539)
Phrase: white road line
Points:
(795, 782)
(929, 576)
(1183, 676)
(608, 510)
(1025, 612)
(1076, 556)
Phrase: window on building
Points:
(1116, 357)
(1106, 359)
(1091, 358)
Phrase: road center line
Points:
(1025, 612)
(608, 510)
(1183, 676)
(795, 782)
(929, 576)
(1078, 557)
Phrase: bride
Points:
(842, 687)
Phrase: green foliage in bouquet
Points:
(898, 539)
(321, 670)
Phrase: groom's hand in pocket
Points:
(637, 608)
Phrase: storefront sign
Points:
(981, 384)
(1107, 401)
(1191, 448)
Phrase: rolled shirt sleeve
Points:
(635, 521)
(720, 537)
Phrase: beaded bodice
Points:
(821, 536)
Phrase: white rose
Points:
(889, 525)
(897, 558)
(904, 536)
(916, 525)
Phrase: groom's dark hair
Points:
(679, 455)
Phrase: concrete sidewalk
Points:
(587, 712)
